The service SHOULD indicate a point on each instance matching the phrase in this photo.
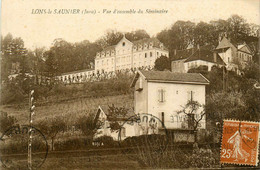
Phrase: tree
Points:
(6, 121)
(137, 35)
(178, 36)
(14, 57)
(51, 127)
(195, 113)
(111, 37)
(238, 27)
(88, 125)
(162, 63)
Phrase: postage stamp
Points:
(240, 143)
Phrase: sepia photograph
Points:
(128, 84)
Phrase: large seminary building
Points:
(125, 55)
(129, 55)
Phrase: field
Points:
(69, 108)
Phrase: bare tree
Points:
(194, 114)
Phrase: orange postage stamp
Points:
(240, 142)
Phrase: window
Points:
(161, 95)
(145, 55)
(151, 54)
(157, 53)
(123, 44)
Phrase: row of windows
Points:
(192, 64)
(245, 57)
(150, 54)
(120, 59)
(162, 94)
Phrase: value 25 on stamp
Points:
(240, 140)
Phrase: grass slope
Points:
(70, 108)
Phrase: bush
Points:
(73, 144)
(106, 141)
(11, 94)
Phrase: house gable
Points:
(245, 48)
(225, 43)
(124, 43)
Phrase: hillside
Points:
(70, 108)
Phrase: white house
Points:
(127, 129)
(183, 60)
(233, 53)
(163, 93)
(130, 55)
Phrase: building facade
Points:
(129, 55)
(184, 60)
(163, 94)
(123, 56)
(126, 130)
(76, 76)
(234, 54)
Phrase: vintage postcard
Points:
(128, 84)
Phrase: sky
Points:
(39, 30)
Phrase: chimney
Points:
(215, 57)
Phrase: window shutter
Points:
(164, 93)
(141, 83)
(159, 95)
(188, 95)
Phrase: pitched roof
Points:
(225, 43)
(112, 47)
(105, 109)
(186, 53)
(205, 55)
(167, 76)
(183, 54)
(155, 41)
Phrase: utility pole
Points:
(31, 114)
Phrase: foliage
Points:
(112, 37)
(106, 141)
(6, 121)
(51, 127)
(14, 58)
(89, 125)
(183, 33)
(162, 63)
(73, 144)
